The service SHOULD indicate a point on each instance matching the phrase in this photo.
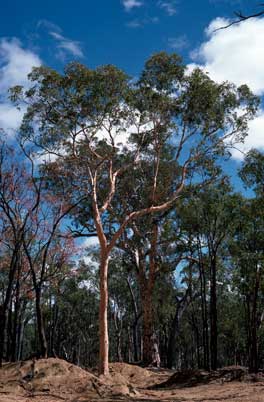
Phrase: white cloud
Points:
(90, 242)
(169, 7)
(139, 23)
(255, 138)
(10, 118)
(178, 43)
(68, 45)
(16, 63)
(130, 4)
(236, 54)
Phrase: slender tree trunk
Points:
(204, 316)
(55, 314)
(103, 322)
(172, 344)
(118, 333)
(130, 341)
(20, 339)
(135, 341)
(21, 327)
(2, 331)
(6, 305)
(135, 323)
(118, 346)
(253, 346)
(172, 353)
(196, 339)
(40, 325)
(10, 322)
(17, 313)
(213, 316)
(4, 315)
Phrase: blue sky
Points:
(126, 33)
(112, 31)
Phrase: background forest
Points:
(138, 165)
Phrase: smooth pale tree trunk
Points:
(104, 254)
(103, 322)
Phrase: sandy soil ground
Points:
(55, 380)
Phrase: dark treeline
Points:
(177, 276)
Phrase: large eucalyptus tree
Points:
(101, 127)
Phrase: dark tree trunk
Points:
(204, 316)
(196, 339)
(148, 329)
(118, 335)
(17, 312)
(6, 305)
(253, 344)
(118, 347)
(55, 315)
(9, 331)
(103, 325)
(213, 316)
(40, 325)
(135, 330)
(172, 353)
(21, 329)
(147, 279)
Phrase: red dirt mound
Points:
(55, 380)
(53, 377)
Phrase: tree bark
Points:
(213, 316)
(172, 344)
(202, 279)
(103, 322)
(181, 306)
(135, 323)
(6, 305)
(147, 277)
(148, 326)
(21, 330)
(40, 325)
(253, 344)
(17, 313)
